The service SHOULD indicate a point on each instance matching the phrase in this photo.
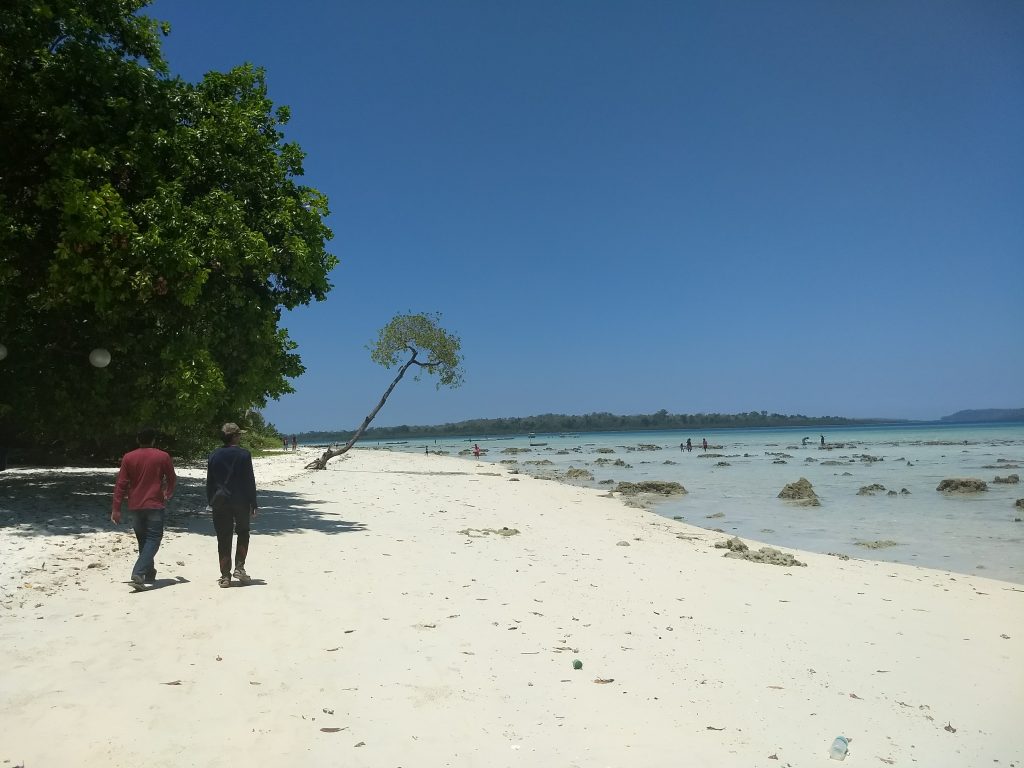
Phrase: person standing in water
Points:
(705, 445)
(689, 445)
(822, 441)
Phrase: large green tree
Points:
(152, 217)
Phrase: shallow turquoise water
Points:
(969, 534)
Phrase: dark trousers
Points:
(228, 520)
(149, 532)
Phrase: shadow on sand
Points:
(160, 584)
(72, 501)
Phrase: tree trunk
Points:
(330, 453)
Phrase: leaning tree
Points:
(431, 349)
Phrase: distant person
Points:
(476, 450)
(284, 442)
(295, 443)
(147, 479)
(804, 441)
(426, 450)
(689, 445)
(705, 445)
(822, 441)
(231, 492)
(682, 446)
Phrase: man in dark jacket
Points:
(231, 492)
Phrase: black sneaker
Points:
(138, 583)
(151, 577)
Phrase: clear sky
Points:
(804, 206)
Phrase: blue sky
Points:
(802, 206)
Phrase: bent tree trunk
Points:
(330, 453)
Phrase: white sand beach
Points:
(379, 632)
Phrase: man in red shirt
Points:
(147, 479)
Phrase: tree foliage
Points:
(155, 218)
(413, 335)
(417, 334)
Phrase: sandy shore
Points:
(380, 633)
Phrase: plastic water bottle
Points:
(839, 747)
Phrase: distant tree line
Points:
(986, 415)
(555, 423)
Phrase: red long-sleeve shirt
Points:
(146, 477)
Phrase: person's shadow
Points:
(252, 583)
(161, 583)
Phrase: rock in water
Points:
(869, 490)
(802, 492)
(578, 474)
(962, 485)
(665, 488)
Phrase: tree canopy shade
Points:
(155, 218)
(412, 335)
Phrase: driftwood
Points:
(331, 453)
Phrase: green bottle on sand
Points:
(577, 664)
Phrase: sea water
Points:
(969, 533)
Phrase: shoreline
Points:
(966, 533)
(432, 643)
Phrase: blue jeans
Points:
(149, 530)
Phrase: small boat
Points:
(535, 445)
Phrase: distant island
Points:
(986, 415)
(553, 423)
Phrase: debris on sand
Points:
(477, 533)
(769, 555)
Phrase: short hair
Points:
(146, 435)
(230, 431)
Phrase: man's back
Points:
(147, 477)
(230, 467)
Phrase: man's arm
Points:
(209, 480)
(120, 490)
(250, 483)
(170, 478)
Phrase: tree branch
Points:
(330, 453)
